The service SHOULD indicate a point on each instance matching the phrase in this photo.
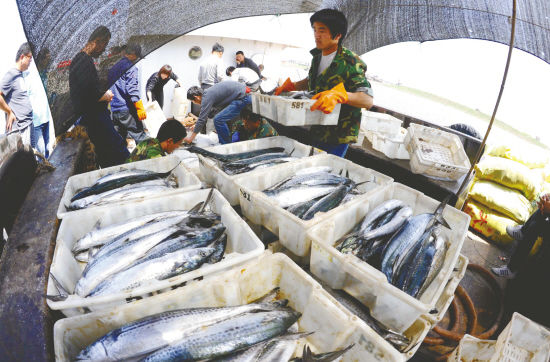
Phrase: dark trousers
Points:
(110, 148)
(128, 123)
(159, 97)
(538, 225)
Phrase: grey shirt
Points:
(219, 96)
(212, 70)
(15, 93)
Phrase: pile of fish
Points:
(237, 163)
(121, 186)
(312, 190)
(407, 249)
(298, 95)
(257, 332)
(159, 246)
(398, 340)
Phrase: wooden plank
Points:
(26, 320)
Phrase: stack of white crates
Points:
(385, 133)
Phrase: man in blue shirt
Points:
(127, 107)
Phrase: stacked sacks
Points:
(509, 182)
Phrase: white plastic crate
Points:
(334, 326)
(186, 180)
(416, 332)
(297, 112)
(255, 102)
(448, 294)
(179, 104)
(392, 146)
(213, 175)
(261, 209)
(471, 349)
(522, 340)
(268, 107)
(436, 153)
(380, 122)
(388, 304)
(242, 246)
(362, 136)
(155, 118)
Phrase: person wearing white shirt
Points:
(246, 76)
(41, 115)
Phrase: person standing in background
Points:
(14, 98)
(127, 107)
(90, 101)
(243, 62)
(41, 115)
(157, 81)
(210, 72)
(212, 69)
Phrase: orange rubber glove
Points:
(287, 86)
(327, 100)
(140, 110)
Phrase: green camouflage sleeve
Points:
(357, 80)
(236, 125)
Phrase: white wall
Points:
(176, 53)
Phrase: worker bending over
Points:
(169, 138)
(337, 75)
(251, 127)
(230, 96)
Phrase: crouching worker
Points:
(251, 126)
(169, 138)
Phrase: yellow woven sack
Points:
(532, 157)
(507, 201)
(496, 150)
(510, 174)
(489, 223)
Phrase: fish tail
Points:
(168, 173)
(63, 294)
(208, 200)
(438, 214)
(326, 357)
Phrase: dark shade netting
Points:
(62, 29)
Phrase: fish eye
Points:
(203, 253)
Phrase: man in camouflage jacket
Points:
(337, 75)
(251, 126)
(169, 138)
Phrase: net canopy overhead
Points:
(60, 29)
